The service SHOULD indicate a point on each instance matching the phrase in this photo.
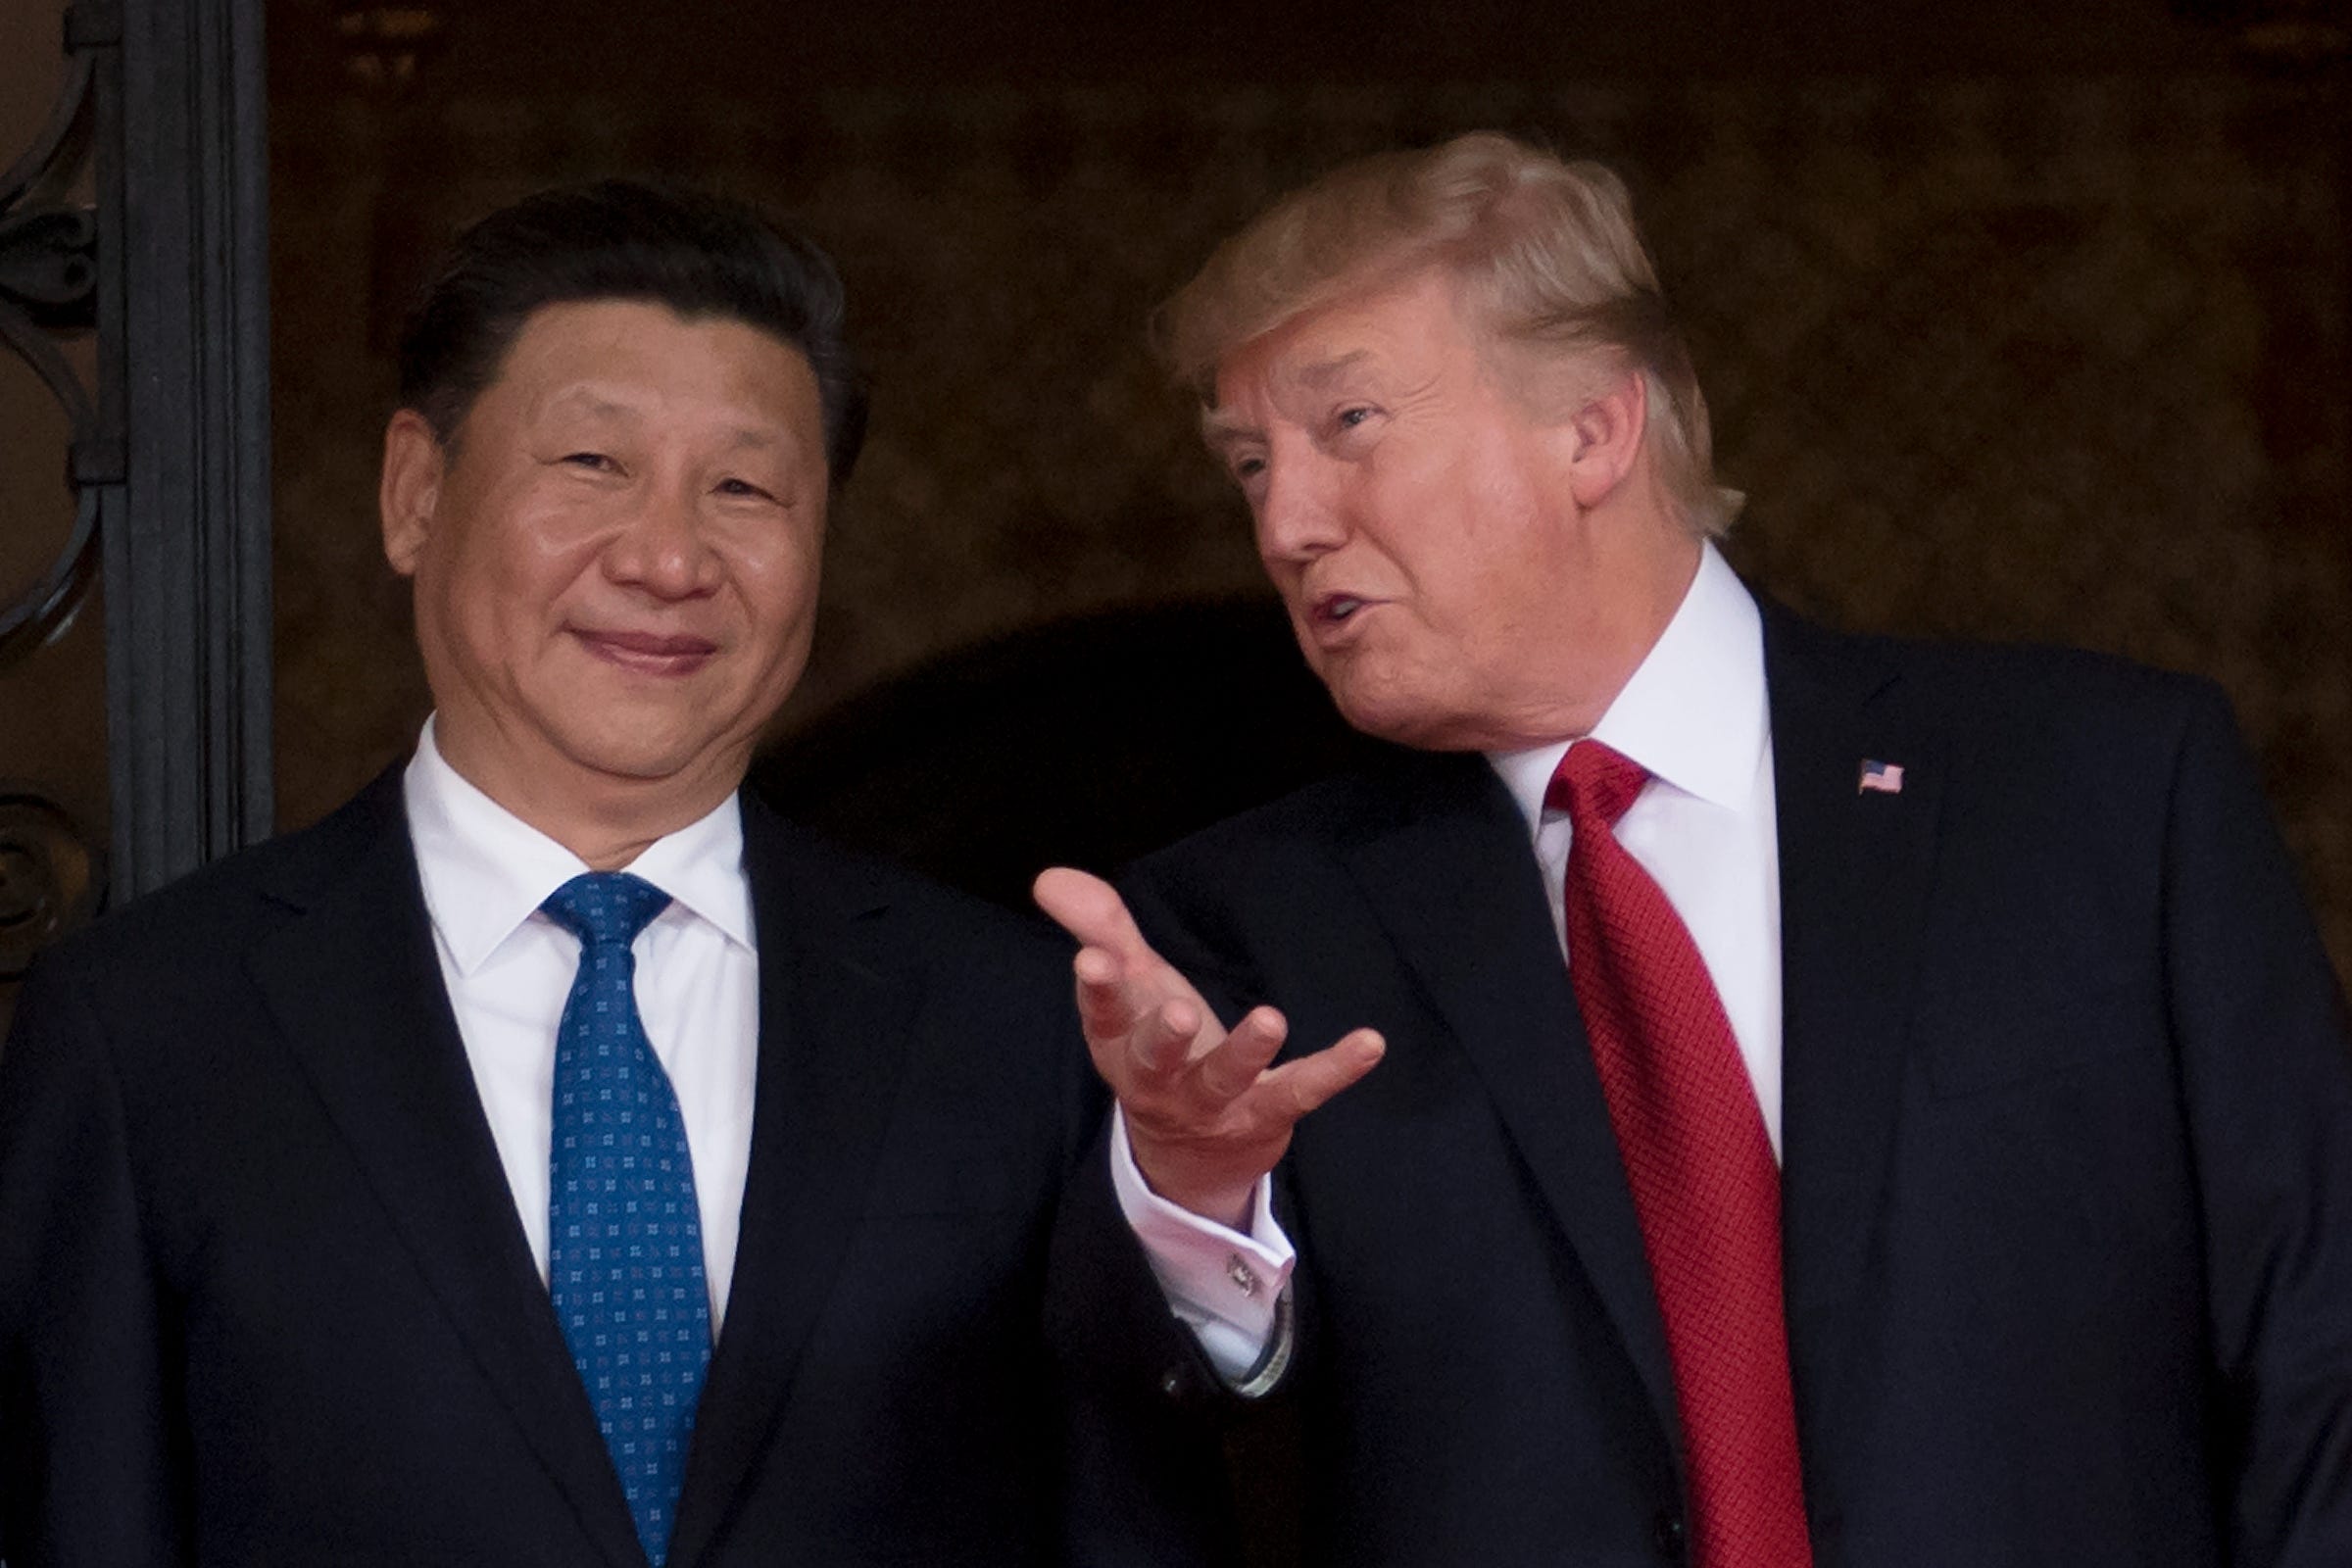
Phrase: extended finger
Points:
(1229, 1069)
(1292, 1090)
(1122, 1012)
(1161, 1043)
(1107, 1004)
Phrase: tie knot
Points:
(1595, 782)
(605, 906)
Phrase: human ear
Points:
(410, 492)
(1604, 436)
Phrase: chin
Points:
(1411, 718)
(1386, 716)
(645, 752)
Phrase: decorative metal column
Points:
(186, 539)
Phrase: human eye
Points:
(1250, 472)
(742, 489)
(594, 461)
(1353, 415)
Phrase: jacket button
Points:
(1669, 1536)
(1171, 1384)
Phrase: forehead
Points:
(611, 353)
(1367, 334)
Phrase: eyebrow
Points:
(597, 406)
(756, 440)
(1220, 429)
(591, 402)
(1322, 372)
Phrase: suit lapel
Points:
(1856, 867)
(354, 986)
(1453, 878)
(833, 1033)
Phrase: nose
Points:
(664, 547)
(1301, 512)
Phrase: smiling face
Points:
(615, 563)
(1463, 570)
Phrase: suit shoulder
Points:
(1292, 841)
(1999, 681)
(861, 886)
(218, 909)
(2016, 673)
(1312, 815)
(2069, 701)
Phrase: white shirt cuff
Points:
(1222, 1284)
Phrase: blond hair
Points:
(1546, 252)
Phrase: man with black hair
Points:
(553, 1158)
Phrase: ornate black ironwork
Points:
(51, 876)
(166, 269)
(49, 282)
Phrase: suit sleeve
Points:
(2265, 1056)
(91, 1471)
(1151, 1418)
(1160, 909)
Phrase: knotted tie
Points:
(624, 1238)
(1701, 1166)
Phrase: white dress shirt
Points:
(1222, 1283)
(509, 969)
(1695, 715)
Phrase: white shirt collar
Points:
(1695, 711)
(486, 871)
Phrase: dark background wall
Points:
(2018, 320)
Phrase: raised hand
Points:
(1207, 1114)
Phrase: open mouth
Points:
(1334, 610)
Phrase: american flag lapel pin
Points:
(1887, 778)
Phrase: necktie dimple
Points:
(1699, 1163)
(624, 1236)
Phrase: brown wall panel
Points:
(2044, 354)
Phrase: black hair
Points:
(700, 255)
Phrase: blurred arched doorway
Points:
(1085, 742)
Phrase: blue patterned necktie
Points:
(624, 1238)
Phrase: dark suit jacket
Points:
(264, 1299)
(2068, 1183)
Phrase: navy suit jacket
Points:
(265, 1298)
(2068, 1183)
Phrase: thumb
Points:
(1090, 910)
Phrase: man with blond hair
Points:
(1936, 1147)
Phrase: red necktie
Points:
(1704, 1185)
